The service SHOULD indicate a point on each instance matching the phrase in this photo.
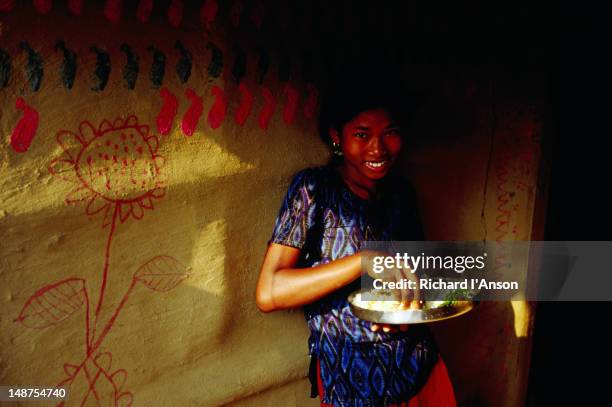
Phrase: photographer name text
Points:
(439, 284)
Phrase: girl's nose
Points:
(376, 146)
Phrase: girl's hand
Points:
(409, 298)
(386, 328)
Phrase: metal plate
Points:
(409, 316)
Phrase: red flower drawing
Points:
(115, 168)
(116, 171)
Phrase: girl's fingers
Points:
(402, 294)
(390, 328)
(404, 305)
(415, 294)
(385, 328)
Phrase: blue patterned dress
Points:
(321, 216)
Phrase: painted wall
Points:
(144, 158)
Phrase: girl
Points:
(314, 260)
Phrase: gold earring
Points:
(336, 149)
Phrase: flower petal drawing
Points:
(144, 130)
(79, 194)
(125, 399)
(146, 202)
(109, 214)
(87, 131)
(64, 169)
(119, 378)
(153, 143)
(117, 163)
(69, 141)
(137, 211)
(159, 162)
(158, 193)
(124, 211)
(131, 121)
(96, 204)
(105, 126)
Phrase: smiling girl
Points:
(314, 259)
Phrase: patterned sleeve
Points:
(297, 213)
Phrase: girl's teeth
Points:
(375, 165)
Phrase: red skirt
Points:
(437, 392)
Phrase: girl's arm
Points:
(282, 286)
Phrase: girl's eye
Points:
(361, 135)
(393, 132)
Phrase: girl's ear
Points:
(335, 137)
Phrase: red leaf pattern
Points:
(53, 303)
(161, 273)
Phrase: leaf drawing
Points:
(53, 303)
(161, 273)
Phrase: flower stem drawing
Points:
(116, 173)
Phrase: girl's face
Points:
(370, 144)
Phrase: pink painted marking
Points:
(143, 13)
(112, 10)
(75, 6)
(268, 109)
(192, 116)
(43, 6)
(293, 99)
(25, 130)
(259, 12)
(236, 12)
(168, 112)
(246, 104)
(219, 109)
(175, 13)
(208, 13)
(312, 101)
(6, 5)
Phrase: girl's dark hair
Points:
(353, 93)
